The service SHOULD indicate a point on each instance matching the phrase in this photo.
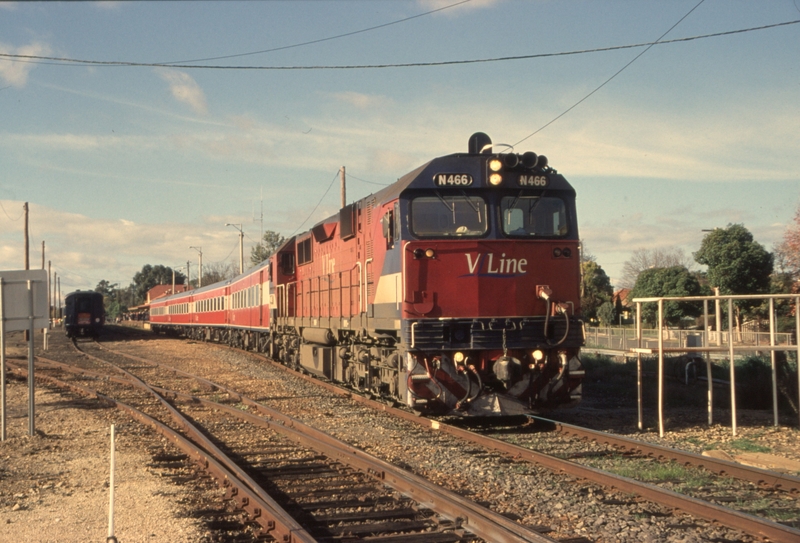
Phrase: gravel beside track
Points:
(562, 507)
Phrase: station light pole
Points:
(173, 278)
(241, 245)
(200, 274)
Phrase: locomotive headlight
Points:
(495, 179)
(495, 164)
(458, 357)
(429, 253)
(537, 355)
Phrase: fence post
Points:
(639, 362)
(797, 343)
(707, 356)
(773, 365)
(660, 368)
(733, 366)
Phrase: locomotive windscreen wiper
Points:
(532, 208)
(473, 205)
(452, 209)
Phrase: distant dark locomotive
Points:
(84, 314)
(454, 290)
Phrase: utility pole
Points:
(27, 253)
(200, 274)
(42, 254)
(49, 283)
(27, 267)
(344, 189)
(188, 275)
(241, 245)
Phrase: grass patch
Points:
(651, 471)
(748, 445)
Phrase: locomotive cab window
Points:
(304, 255)
(449, 216)
(534, 216)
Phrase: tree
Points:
(112, 299)
(736, 264)
(106, 288)
(643, 259)
(606, 314)
(270, 242)
(672, 281)
(151, 276)
(787, 259)
(219, 271)
(596, 288)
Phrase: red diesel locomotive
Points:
(454, 290)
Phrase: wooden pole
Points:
(27, 253)
(27, 256)
(49, 286)
(344, 189)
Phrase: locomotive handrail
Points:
(366, 288)
(359, 285)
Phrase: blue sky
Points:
(130, 165)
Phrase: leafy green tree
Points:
(736, 263)
(151, 276)
(672, 281)
(270, 242)
(596, 288)
(113, 298)
(606, 314)
(106, 288)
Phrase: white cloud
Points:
(458, 9)
(362, 101)
(83, 250)
(185, 89)
(15, 72)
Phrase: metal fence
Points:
(727, 344)
(625, 339)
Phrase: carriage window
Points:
(449, 215)
(534, 216)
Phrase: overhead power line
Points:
(330, 38)
(604, 83)
(115, 63)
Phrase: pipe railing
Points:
(732, 348)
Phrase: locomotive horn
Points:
(480, 143)
(530, 159)
(511, 160)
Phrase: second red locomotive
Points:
(454, 290)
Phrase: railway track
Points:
(711, 507)
(489, 448)
(296, 482)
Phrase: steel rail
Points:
(481, 521)
(762, 477)
(775, 532)
(266, 513)
(750, 524)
